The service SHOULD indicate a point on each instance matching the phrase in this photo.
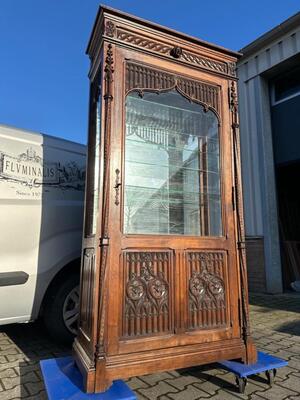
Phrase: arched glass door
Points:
(172, 166)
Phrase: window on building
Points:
(286, 86)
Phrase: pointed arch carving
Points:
(142, 78)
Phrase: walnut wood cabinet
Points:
(163, 274)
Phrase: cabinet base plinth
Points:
(128, 365)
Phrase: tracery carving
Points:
(143, 78)
(206, 287)
(207, 305)
(226, 68)
(147, 293)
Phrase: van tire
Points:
(53, 314)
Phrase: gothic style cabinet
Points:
(163, 274)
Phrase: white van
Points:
(41, 215)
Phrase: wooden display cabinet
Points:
(163, 274)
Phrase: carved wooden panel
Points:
(158, 46)
(87, 288)
(206, 289)
(143, 78)
(147, 302)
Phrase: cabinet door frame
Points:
(122, 241)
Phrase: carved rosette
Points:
(146, 294)
(206, 288)
(143, 78)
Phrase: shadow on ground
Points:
(22, 346)
(279, 312)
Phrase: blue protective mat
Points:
(63, 381)
(264, 363)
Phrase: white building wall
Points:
(256, 140)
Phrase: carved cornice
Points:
(143, 78)
(223, 67)
(143, 42)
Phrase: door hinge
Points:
(104, 241)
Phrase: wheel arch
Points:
(72, 267)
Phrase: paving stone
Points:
(154, 378)
(224, 395)
(252, 387)
(294, 349)
(141, 397)
(190, 393)
(17, 357)
(292, 382)
(210, 387)
(136, 383)
(3, 360)
(160, 388)
(34, 388)
(294, 364)
(283, 373)
(9, 383)
(5, 342)
(255, 396)
(10, 352)
(275, 346)
(7, 373)
(18, 392)
(182, 382)
(277, 392)
(40, 396)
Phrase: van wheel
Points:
(62, 308)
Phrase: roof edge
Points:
(271, 35)
(103, 8)
(37, 133)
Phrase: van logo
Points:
(29, 169)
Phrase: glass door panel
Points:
(172, 167)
